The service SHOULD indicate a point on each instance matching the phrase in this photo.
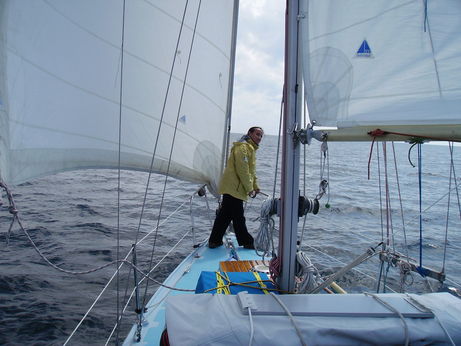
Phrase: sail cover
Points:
(383, 62)
(61, 82)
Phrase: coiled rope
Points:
(306, 273)
(264, 242)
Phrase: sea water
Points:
(73, 220)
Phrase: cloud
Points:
(259, 66)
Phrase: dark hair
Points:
(252, 129)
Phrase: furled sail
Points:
(60, 86)
(386, 64)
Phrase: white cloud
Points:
(259, 66)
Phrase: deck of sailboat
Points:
(185, 276)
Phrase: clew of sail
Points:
(62, 79)
(383, 64)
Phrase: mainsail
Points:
(383, 64)
(62, 81)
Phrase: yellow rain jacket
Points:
(239, 177)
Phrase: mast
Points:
(226, 136)
(291, 150)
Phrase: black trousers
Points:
(231, 210)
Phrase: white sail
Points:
(385, 63)
(60, 70)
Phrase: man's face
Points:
(257, 135)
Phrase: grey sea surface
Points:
(73, 220)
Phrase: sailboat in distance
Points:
(147, 85)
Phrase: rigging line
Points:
(119, 162)
(113, 276)
(454, 177)
(132, 54)
(344, 264)
(390, 226)
(59, 268)
(305, 125)
(328, 179)
(124, 261)
(386, 191)
(16, 217)
(380, 196)
(127, 302)
(400, 200)
(435, 203)
(278, 146)
(304, 174)
(446, 224)
(371, 154)
(14, 211)
(161, 122)
(203, 37)
(174, 136)
(456, 185)
(380, 209)
(160, 128)
(450, 146)
(304, 162)
(420, 164)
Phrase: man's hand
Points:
(253, 193)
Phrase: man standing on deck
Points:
(238, 182)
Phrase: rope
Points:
(400, 200)
(224, 288)
(252, 330)
(418, 303)
(386, 193)
(15, 212)
(452, 172)
(324, 163)
(174, 137)
(390, 307)
(94, 269)
(290, 316)
(264, 242)
(274, 268)
(369, 157)
(306, 273)
(12, 208)
(380, 195)
(119, 160)
(278, 148)
(405, 272)
(420, 189)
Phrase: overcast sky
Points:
(259, 66)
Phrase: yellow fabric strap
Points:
(223, 288)
(260, 281)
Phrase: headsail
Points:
(383, 64)
(60, 70)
